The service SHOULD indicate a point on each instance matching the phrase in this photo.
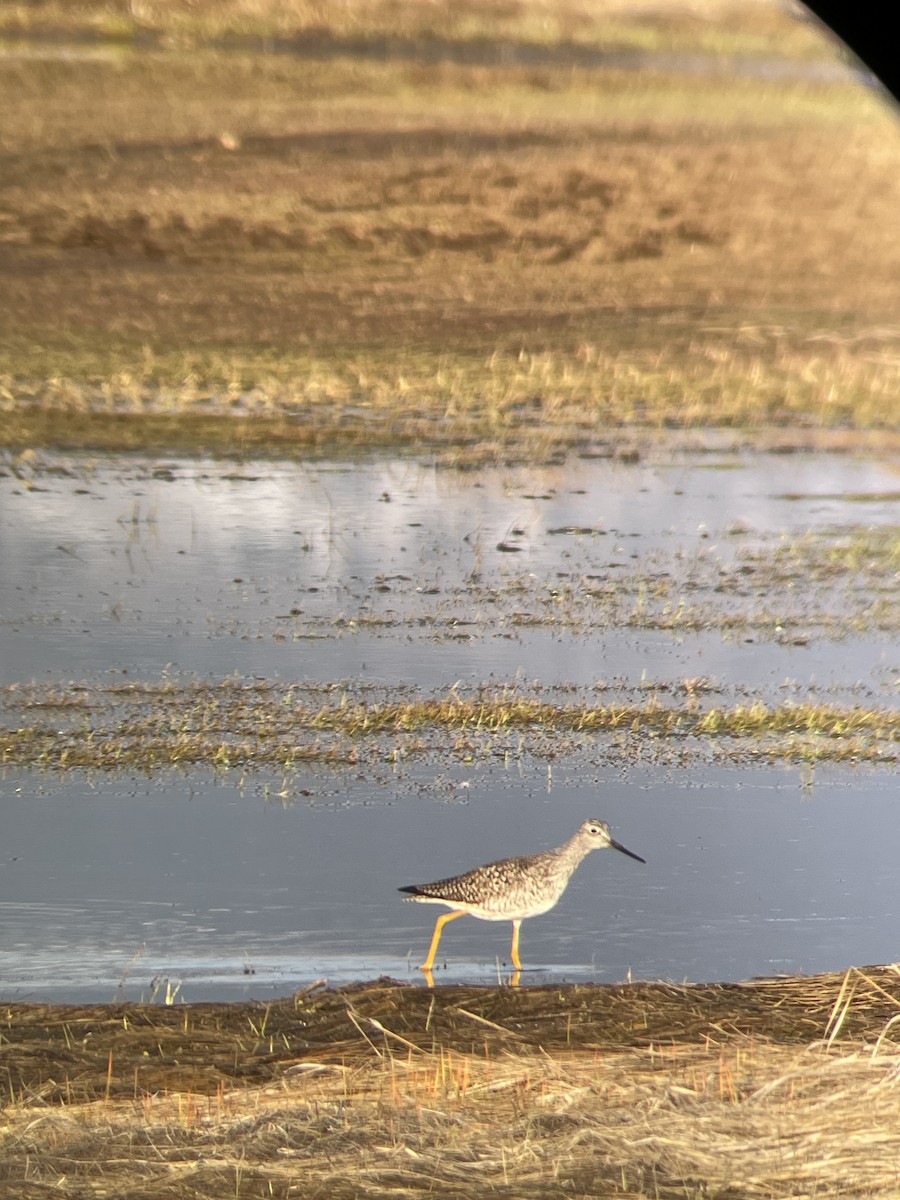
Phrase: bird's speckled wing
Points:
(499, 885)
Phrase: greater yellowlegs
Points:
(513, 888)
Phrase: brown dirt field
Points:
(234, 250)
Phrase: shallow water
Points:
(397, 573)
(205, 889)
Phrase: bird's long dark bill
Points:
(619, 846)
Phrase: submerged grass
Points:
(775, 1088)
(234, 723)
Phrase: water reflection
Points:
(392, 572)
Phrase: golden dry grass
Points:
(777, 1088)
(747, 1121)
(716, 26)
(245, 250)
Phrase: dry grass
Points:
(244, 251)
(710, 26)
(777, 1088)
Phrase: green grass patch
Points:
(233, 723)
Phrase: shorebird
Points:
(512, 888)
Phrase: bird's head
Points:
(598, 837)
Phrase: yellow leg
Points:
(517, 925)
(436, 937)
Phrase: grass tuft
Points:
(233, 723)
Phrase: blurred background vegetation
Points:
(502, 227)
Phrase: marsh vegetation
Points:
(777, 1088)
(473, 235)
(244, 251)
